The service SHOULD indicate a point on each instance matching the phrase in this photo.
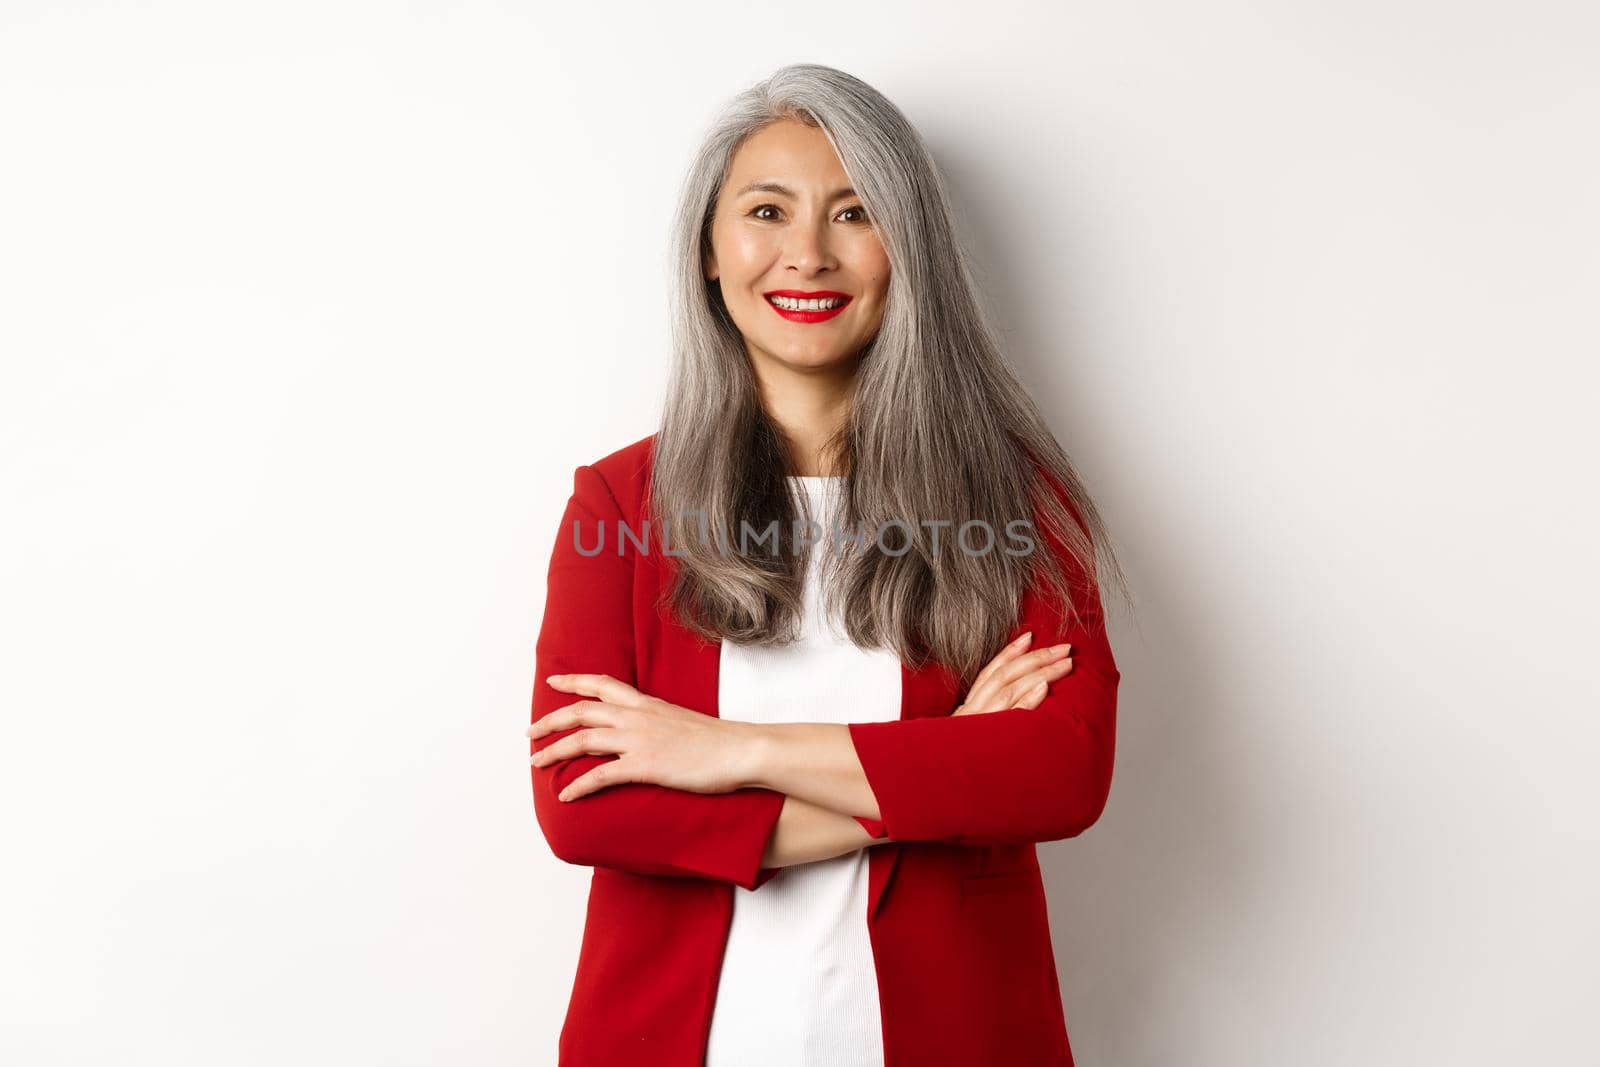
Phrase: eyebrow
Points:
(784, 190)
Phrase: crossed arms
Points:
(818, 789)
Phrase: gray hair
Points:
(939, 425)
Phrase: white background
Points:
(309, 310)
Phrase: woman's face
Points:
(787, 223)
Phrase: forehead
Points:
(789, 153)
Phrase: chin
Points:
(816, 360)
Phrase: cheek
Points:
(744, 255)
(873, 267)
(878, 284)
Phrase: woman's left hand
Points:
(656, 742)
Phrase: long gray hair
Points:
(938, 428)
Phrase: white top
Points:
(799, 985)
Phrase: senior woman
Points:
(824, 656)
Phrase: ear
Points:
(709, 264)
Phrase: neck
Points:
(809, 406)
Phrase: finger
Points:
(1046, 674)
(1005, 655)
(1034, 697)
(547, 724)
(557, 720)
(600, 686)
(1006, 677)
(578, 713)
(994, 673)
(608, 773)
(1023, 666)
(592, 741)
(1050, 671)
(575, 683)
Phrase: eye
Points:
(756, 213)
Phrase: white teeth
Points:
(789, 303)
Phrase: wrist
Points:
(756, 743)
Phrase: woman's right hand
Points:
(1016, 678)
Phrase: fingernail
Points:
(554, 677)
(1023, 639)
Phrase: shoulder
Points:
(616, 483)
(1047, 483)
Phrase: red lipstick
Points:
(801, 294)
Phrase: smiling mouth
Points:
(798, 307)
(789, 303)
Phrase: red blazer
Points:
(956, 908)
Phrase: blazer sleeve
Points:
(1012, 776)
(636, 826)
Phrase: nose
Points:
(807, 248)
